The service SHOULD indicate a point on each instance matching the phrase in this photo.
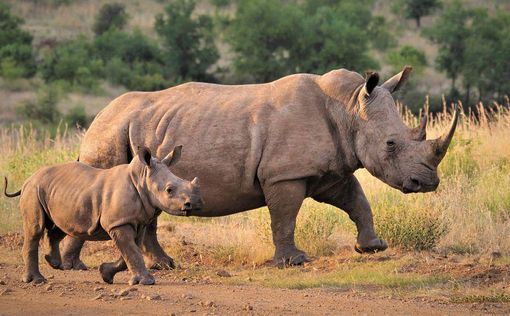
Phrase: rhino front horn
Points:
(195, 182)
(440, 145)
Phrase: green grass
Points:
(491, 298)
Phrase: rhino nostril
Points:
(187, 206)
(415, 182)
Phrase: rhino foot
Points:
(35, 277)
(291, 258)
(144, 280)
(73, 264)
(160, 263)
(55, 263)
(107, 272)
(373, 246)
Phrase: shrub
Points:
(73, 63)
(44, 109)
(16, 56)
(78, 117)
(407, 55)
(412, 228)
(110, 16)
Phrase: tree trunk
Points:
(418, 22)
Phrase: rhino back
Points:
(235, 138)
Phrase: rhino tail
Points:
(10, 194)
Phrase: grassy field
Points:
(450, 246)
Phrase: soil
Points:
(180, 292)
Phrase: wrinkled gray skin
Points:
(96, 204)
(272, 144)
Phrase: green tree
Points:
(44, 109)
(276, 38)
(111, 16)
(187, 41)
(450, 33)
(16, 56)
(407, 55)
(416, 9)
(72, 63)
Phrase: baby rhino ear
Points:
(173, 157)
(145, 156)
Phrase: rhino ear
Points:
(145, 156)
(371, 81)
(173, 157)
(396, 82)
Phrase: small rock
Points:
(2, 282)
(173, 314)
(98, 288)
(248, 307)
(209, 303)
(50, 277)
(187, 296)
(132, 289)
(249, 279)
(125, 298)
(153, 297)
(124, 292)
(223, 274)
(192, 310)
(49, 287)
(496, 255)
(98, 297)
(5, 291)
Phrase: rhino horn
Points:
(420, 132)
(440, 145)
(195, 182)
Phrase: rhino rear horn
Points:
(173, 157)
(397, 81)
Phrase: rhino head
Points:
(164, 190)
(396, 154)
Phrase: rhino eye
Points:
(168, 190)
(391, 144)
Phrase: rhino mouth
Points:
(179, 212)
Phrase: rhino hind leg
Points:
(33, 229)
(54, 235)
(108, 270)
(155, 256)
(284, 200)
(71, 254)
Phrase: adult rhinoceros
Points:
(272, 144)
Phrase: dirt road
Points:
(82, 293)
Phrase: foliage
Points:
(44, 109)
(16, 57)
(299, 37)
(416, 9)
(131, 60)
(449, 33)
(77, 117)
(187, 41)
(72, 63)
(407, 55)
(110, 16)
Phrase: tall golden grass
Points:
(468, 214)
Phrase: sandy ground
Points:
(82, 293)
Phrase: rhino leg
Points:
(71, 254)
(155, 255)
(284, 200)
(126, 239)
(109, 269)
(55, 235)
(33, 229)
(348, 195)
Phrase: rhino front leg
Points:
(110, 269)
(126, 239)
(284, 200)
(155, 255)
(71, 254)
(348, 195)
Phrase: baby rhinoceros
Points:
(101, 204)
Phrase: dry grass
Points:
(468, 214)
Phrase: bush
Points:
(111, 16)
(407, 55)
(187, 41)
(73, 64)
(16, 56)
(409, 228)
(44, 109)
(78, 117)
